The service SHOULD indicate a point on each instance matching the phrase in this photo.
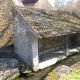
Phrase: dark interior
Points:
(29, 1)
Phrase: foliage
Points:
(75, 75)
(14, 77)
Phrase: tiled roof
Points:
(51, 23)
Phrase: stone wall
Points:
(9, 67)
(6, 31)
(25, 43)
(52, 44)
(57, 43)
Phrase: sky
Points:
(52, 2)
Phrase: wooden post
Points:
(66, 51)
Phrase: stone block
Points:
(76, 66)
(8, 67)
(58, 73)
(61, 71)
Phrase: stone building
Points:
(43, 37)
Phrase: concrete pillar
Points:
(35, 54)
(66, 50)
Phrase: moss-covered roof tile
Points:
(50, 23)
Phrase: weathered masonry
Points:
(43, 37)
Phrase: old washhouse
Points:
(43, 37)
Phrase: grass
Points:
(79, 51)
(14, 77)
(75, 75)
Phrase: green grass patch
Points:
(79, 51)
(14, 77)
(75, 75)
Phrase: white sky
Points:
(52, 2)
